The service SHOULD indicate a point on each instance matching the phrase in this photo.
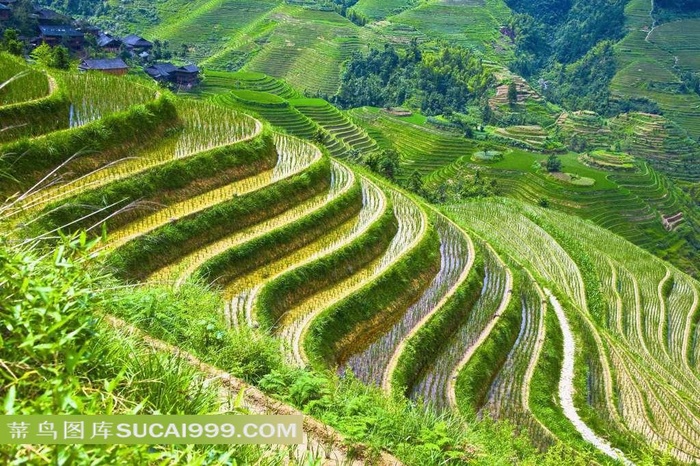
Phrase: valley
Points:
(494, 277)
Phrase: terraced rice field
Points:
(343, 133)
(204, 127)
(281, 113)
(420, 148)
(88, 95)
(412, 224)
(533, 137)
(214, 23)
(220, 82)
(306, 48)
(380, 9)
(372, 365)
(434, 386)
(471, 23)
(647, 65)
(638, 296)
(21, 83)
(582, 336)
(680, 38)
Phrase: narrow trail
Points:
(566, 386)
(654, 22)
(319, 438)
(505, 301)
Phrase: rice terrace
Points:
(444, 232)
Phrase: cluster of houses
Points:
(57, 29)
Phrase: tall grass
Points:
(20, 83)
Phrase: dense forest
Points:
(682, 5)
(567, 46)
(436, 79)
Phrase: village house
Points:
(5, 12)
(187, 75)
(62, 35)
(137, 44)
(46, 16)
(109, 43)
(115, 66)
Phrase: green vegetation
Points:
(20, 82)
(163, 185)
(33, 159)
(143, 256)
(434, 81)
(324, 278)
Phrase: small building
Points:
(137, 43)
(109, 43)
(187, 75)
(62, 35)
(5, 12)
(161, 72)
(46, 16)
(115, 66)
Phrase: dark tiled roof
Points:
(189, 68)
(48, 14)
(103, 64)
(60, 30)
(106, 39)
(136, 41)
(164, 70)
(160, 70)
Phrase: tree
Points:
(11, 42)
(385, 163)
(60, 58)
(56, 57)
(553, 164)
(43, 54)
(415, 183)
(512, 94)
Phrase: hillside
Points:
(444, 231)
(483, 307)
(632, 201)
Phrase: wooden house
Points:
(187, 75)
(109, 43)
(62, 35)
(5, 12)
(115, 66)
(137, 44)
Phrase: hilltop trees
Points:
(448, 78)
